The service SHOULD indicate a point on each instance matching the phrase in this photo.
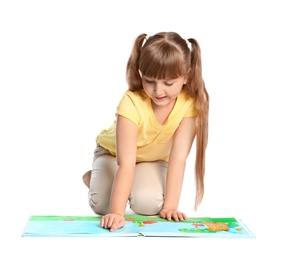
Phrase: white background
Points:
(62, 73)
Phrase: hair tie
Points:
(145, 40)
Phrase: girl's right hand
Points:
(112, 221)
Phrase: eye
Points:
(168, 83)
(149, 81)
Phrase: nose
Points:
(158, 89)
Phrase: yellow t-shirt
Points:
(154, 141)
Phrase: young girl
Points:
(141, 158)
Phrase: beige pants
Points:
(148, 189)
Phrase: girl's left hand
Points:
(170, 214)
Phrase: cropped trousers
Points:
(147, 191)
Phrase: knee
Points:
(146, 203)
(98, 203)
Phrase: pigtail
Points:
(196, 88)
(132, 71)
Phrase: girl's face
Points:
(163, 92)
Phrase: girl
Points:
(141, 158)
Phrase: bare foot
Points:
(87, 178)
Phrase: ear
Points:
(185, 80)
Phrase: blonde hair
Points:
(167, 55)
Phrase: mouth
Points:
(160, 98)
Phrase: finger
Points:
(162, 215)
(184, 216)
(175, 216)
(181, 217)
(110, 222)
(102, 224)
(116, 224)
(121, 223)
(169, 216)
(105, 221)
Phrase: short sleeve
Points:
(191, 107)
(128, 109)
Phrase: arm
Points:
(126, 143)
(181, 147)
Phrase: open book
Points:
(136, 225)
